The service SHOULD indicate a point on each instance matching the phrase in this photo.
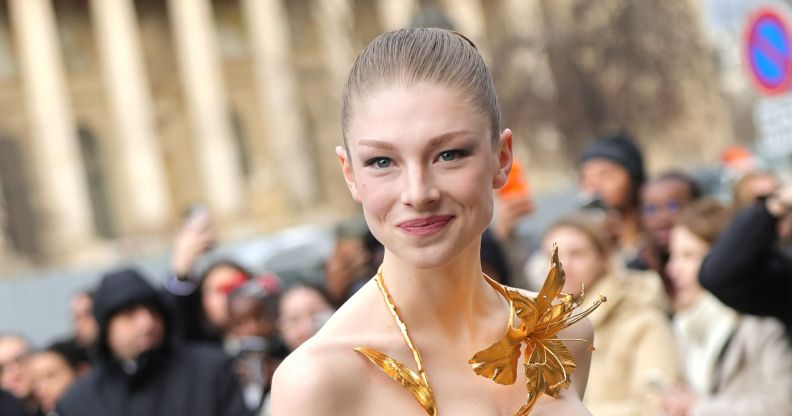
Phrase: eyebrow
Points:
(434, 141)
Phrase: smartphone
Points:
(195, 214)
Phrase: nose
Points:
(419, 189)
(146, 319)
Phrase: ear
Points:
(346, 169)
(504, 155)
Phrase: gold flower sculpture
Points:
(548, 363)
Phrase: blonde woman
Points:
(423, 151)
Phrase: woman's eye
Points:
(450, 155)
(378, 162)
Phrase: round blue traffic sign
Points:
(768, 52)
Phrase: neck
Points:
(629, 229)
(450, 298)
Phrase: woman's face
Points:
(301, 314)
(608, 180)
(687, 253)
(422, 165)
(215, 294)
(51, 377)
(583, 263)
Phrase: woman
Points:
(303, 309)
(735, 364)
(54, 370)
(202, 311)
(423, 153)
(635, 347)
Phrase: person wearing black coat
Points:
(10, 405)
(141, 369)
(745, 269)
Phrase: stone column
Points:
(201, 75)
(63, 196)
(396, 14)
(336, 23)
(118, 40)
(468, 18)
(276, 83)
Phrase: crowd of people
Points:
(697, 322)
(698, 319)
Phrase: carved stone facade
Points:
(119, 114)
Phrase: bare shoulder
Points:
(568, 403)
(319, 378)
(326, 376)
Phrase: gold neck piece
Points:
(547, 361)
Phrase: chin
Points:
(430, 256)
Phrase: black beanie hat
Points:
(120, 289)
(620, 149)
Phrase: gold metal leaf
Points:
(404, 376)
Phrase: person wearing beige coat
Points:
(736, 365)
(636, 353)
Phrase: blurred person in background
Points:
(200, 299)
(611, 171)
(352, 263)
(141, 369)
(53, 371)
(635, 348)
(83, 323)
(253, 314)
(304, 308)
(15, 371)
(752, 186)
(514, 202)
(734, 364)
(10, 405)
(746, 269)
(494, 260)
(662, 199)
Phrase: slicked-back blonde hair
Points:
(409, 56)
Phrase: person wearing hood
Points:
(140, 369)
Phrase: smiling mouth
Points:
(426, 226)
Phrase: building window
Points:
(97, 180)
(18, 221)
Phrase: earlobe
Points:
(505, 158)
(346, 169)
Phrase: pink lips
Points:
(426, 226)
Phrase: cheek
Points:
(686, 272)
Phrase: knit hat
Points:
(620, 149)
(120, 289)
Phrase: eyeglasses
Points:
(670, 207)
(317, 318)
(17, 361)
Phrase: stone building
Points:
(116, 115)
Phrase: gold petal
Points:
(558, 366)
(553, 283)
(525, 308)
(406, 377)
(535, 383)
(499, 361)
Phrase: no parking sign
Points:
(768, 52)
